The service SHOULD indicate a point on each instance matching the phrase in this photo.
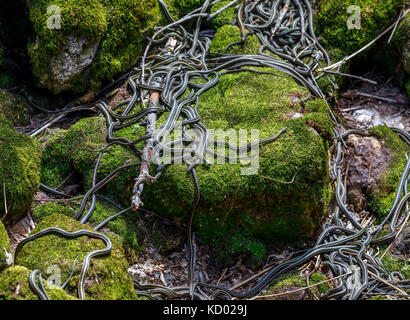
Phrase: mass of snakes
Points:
(168, 80)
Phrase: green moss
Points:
(14, 285)
(228, 34)
(321, 288)
(20, 158)
(118, 24)
(180, 8)
(14, 108)
(382, 197)
(70, 152)
(332, 15)
(293, 281)
(107, 276)
(225, 17)
(247, 208)
(393, 263)
(124, 226)
(5, 252)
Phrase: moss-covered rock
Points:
(225, 17)
(235, 208)
(227, 35)
(96, 40)
(382, 196)
(236, 211)
(107, 277)
(332, 18)
(71, 150)
(14, 108)
(14, 285)
(6, 257)
(20, 158)
(124, 225)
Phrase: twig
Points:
(49, 123)
(300, 289)
(388, 283)
(376, 97)
(280, 181)
(394, 30)
(64, 181)
(222, 275)
(337, 64)
(350, 76)
(5, 202)
(251, 278)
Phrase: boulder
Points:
(107, 277)
(6, 257)
(332, 18)
(236, 210)
(382, 194)
(20, 158)
(15, 108)
(80, 44)
(14, 285)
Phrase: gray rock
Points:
(77, 54)
(369, 158)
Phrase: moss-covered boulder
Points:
(71, 150)
(92, 41)
(14, 285)
(382, 196)
(6, 257)
(14, 108)
(125, 225)
(236, 210)
(333, 16)
(107, 277)
(20, 158)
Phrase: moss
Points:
(321, 288)
(227, 35)
(14, 108)
(332, 20)
(247, 208)
(225, 17)
(5, 252)
(70, 152)
(124, 226)
(107, 276)
(293, 281)
(394, 263)
(14, 285)
(180, 8)
(382, 197)
(20, 158)
(118, 24)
